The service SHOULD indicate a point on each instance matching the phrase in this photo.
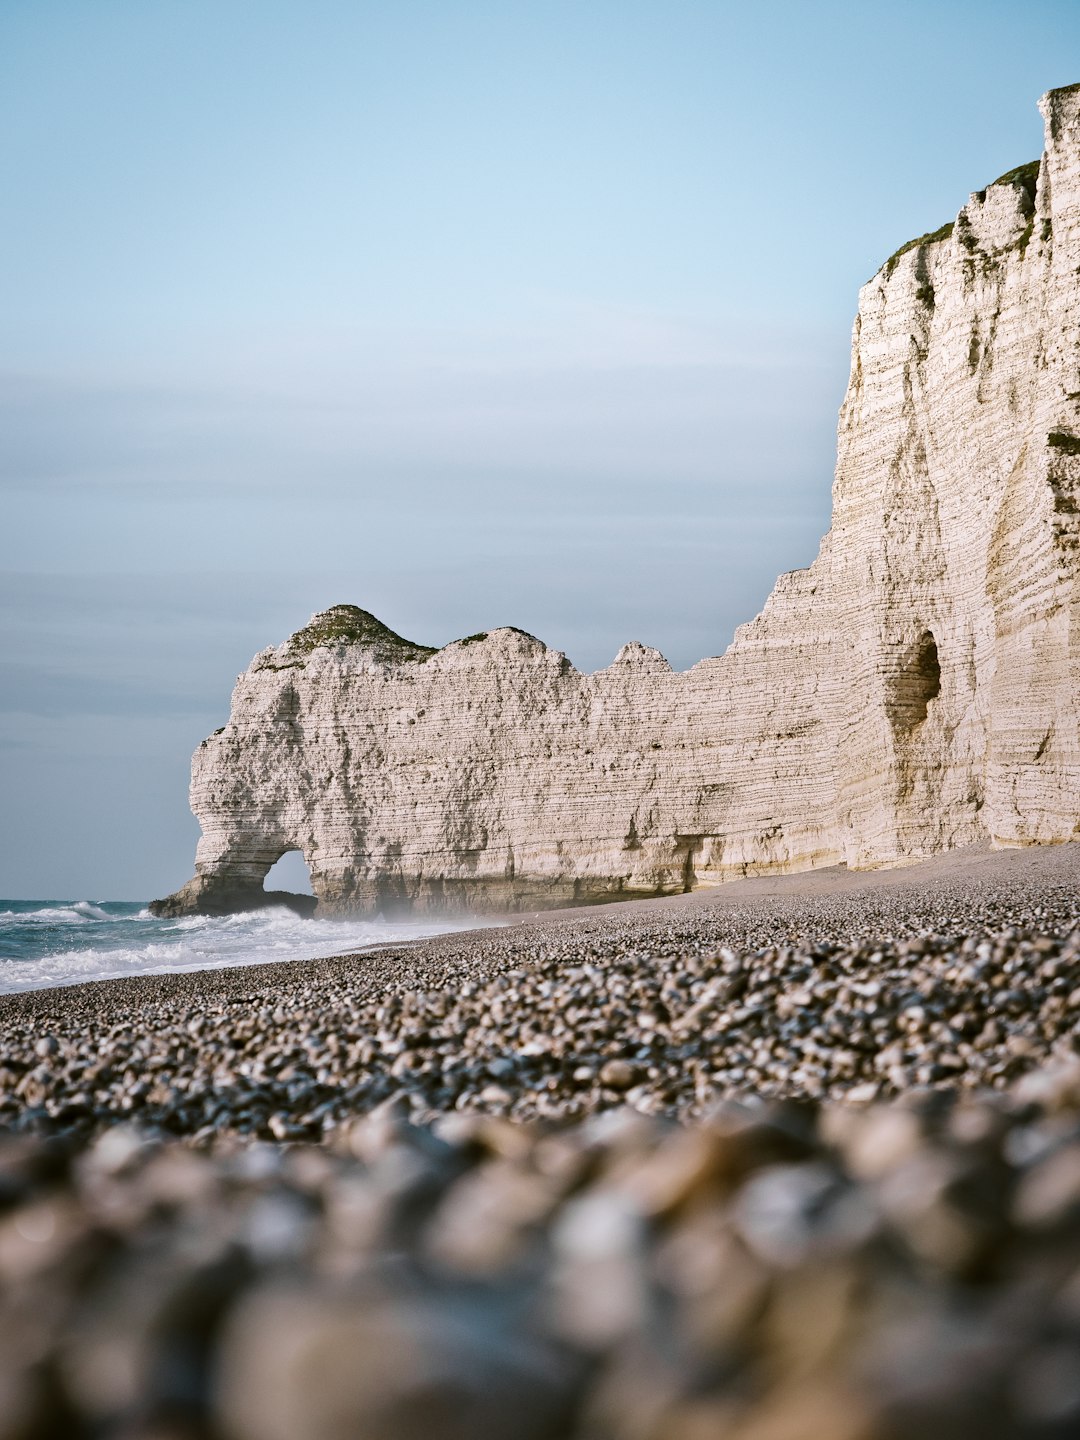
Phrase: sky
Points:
(534, 312)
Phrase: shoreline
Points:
(979, 865)
(962, 972)
(827, 1126)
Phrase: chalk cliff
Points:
(915, 689)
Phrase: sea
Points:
(63, 942)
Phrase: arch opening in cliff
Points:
(235, 882)
(889, 701)
(289, 872)
(286, 880)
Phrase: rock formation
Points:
(915, 689)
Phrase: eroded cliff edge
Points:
(915, 689)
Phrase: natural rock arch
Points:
(237, 884)
(914, 689)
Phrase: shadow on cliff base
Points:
(222, 901)
(214, 896)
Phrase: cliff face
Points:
(915, 689)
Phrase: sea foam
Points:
(46, 943)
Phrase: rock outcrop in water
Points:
(915, 689)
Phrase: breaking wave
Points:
(52, 942)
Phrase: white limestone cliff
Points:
(915, 689)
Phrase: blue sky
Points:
(468, 313)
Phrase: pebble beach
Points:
(795, 1159)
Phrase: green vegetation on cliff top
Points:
(1025, 175)
(349, 625)
(928, 239)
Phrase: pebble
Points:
(938, 985)
(782, 1169)
(907, 1270)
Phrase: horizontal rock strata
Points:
(914, 690)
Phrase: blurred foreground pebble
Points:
(907, 1270)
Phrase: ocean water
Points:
(62, 942)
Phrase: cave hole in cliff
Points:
(916, 683)
(289, 872)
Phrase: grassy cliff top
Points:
(1024, 175)
(930, 238)
(349, 625)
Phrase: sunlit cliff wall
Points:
(915, 689)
